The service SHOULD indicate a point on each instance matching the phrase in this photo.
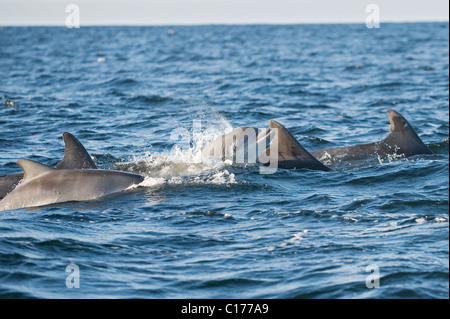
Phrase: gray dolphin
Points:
(291, 155)
(242, 145)
(401, 140)
(253, 145)
(75, 157)
(43, 185)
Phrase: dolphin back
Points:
(403, 137)
(43, 185)
(291, 155)
(75, 155)
(8, 183)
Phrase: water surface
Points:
(194, 230)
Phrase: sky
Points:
(187, 12)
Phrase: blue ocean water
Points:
(144, 99)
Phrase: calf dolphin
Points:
(43, 185)
(401, 140)
(75, 157)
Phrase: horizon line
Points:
(215, 23)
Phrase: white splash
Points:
(420, 220)
(298, 236)
(184, 164)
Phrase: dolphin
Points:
(291, 155)
(253, 145)
(242, 145)
(402, 140)
(8, 183)
(43, 185)
(75, 157)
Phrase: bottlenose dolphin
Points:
(8, 183)
(75, 157)
(253, 145)
(242, 145)
(402, 140)
(43, 185)
(291, 155)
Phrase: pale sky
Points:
(176, 12)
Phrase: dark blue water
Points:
(222, 231)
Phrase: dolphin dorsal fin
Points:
(403, 136)
(290, 153)
(75, 155)
(31, 169)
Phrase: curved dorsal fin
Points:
(75, 155)
(290, 153)
(403, 136)
(32, 169)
